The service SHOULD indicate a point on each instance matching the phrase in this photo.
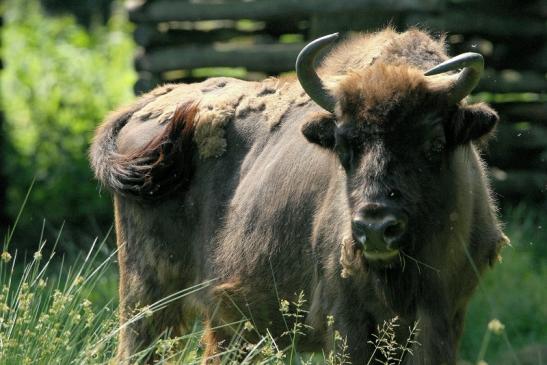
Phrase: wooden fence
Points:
(191, 40)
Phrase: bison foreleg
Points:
(436, 343)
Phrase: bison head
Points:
(396, 130)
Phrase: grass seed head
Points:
(496, 327)
(6, 257)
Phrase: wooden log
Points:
(480, 23)
(515, 54)
(322, 24)
(146, 82)
(522, 136)
(535, 8)
(510, 81)
(168, 10)
(519, 184)
(517, 112)
(278, 27)
(519, 146)
(528, 55)
(148, 35)
(272, 58)
(281, 57)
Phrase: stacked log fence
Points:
(187, 41)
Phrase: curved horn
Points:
(465, 81)
(311, 83)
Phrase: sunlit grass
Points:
(46, 315)
(51, 312)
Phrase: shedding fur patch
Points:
(209, 129)
(278, 105)
(272, 100)
(269, 100)
(495, 256)
(350, 258)
(146, 150)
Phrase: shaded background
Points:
(67, 63)
(66, 70)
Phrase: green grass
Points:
(513, 291)
(54, 313)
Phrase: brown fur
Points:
(165, 163)
(373, 93)
(412, 48)
(141, 171)
(253, 186)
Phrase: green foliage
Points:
(59, 82)
(513, 291)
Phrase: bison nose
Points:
(379, 227)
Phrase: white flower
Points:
(495, 326)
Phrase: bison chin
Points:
(383, 258)
(388, 257)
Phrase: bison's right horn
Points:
(311, 83)
(461, 84)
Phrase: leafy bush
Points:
(59, 82)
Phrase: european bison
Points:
(362, 187)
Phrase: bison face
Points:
(395, 129)
(397, 159)
(395, 181)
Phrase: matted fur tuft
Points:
(414, 48)
(383, 93)
(161, 166)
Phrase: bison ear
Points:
(472, 123)
(319, 129)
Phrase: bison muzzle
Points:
(360, 185)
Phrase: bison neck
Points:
(396, 289)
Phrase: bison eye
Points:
(345, 153)
(434, 149)
(437, 146)
(344, 148)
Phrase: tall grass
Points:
(50, 312)
(513, 292)
(47, 316)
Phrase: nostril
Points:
(393, 231)
(379, 227)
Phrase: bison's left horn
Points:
(311, 83)
(461, 84)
